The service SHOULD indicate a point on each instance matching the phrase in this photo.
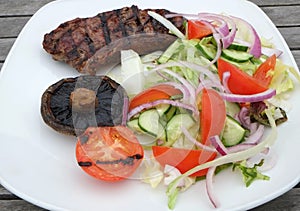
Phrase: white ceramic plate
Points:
(39, 165)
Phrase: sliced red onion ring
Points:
(209, 187)
(244, 118)
(249, 98)
(240, 147)
(217, 143)
(271, 51)
(194, 141)
(266, 51)
(209, 84)
(190, 88)
(223, 29)
(202, 70)
(226, 76)
(227, 36)
(138, 109)
(183, 89)
(125, 110)
(256, 136)
(217, 38)
(255, 47)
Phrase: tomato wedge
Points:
(183, 159)
(212, 115)
(264, 71)
(157, 92)
(239, 81)
(109, 153)
(197, 29)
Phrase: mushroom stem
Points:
(83, 99)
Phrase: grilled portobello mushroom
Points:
(73, 104)
(88, 43)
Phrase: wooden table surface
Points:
(285, 14)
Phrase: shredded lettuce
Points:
(173, 29)
(152, 173)
(172, 191)
(266, 42)
(186, 50)
(172, 173)
(172, 198)
(250, 173)
(282, 81)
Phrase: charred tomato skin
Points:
(57, 111)
(109, 153)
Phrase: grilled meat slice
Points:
(88, 43)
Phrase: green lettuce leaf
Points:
(250, 174)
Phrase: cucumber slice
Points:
(208, 51)
(134, 125)
(238, 47)
(166, 112)
(149, 122)
(163, 109)
(207, 40)
(236, 56)
(232, 108)
(233, 132)
(170, 113)
(173, 128)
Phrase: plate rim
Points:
(50, 206)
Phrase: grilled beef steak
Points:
(88, 43)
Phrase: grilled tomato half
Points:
(109, 153)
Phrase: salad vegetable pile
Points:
(212, 100)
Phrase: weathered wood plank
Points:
(296, 54)
(275, 3)
(12, 26)
(287, 202)
(284, 16)
(21, 7)
(18, 205)
(5, 46)
(292, 36)
(6, 195)
(3, 191)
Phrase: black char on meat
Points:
(88, 43)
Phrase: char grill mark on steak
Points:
(131, 21)
(94, 27)
(121, 23)
(85, 43)
(105, 28)
(113, 25)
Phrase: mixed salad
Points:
(211, 101)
